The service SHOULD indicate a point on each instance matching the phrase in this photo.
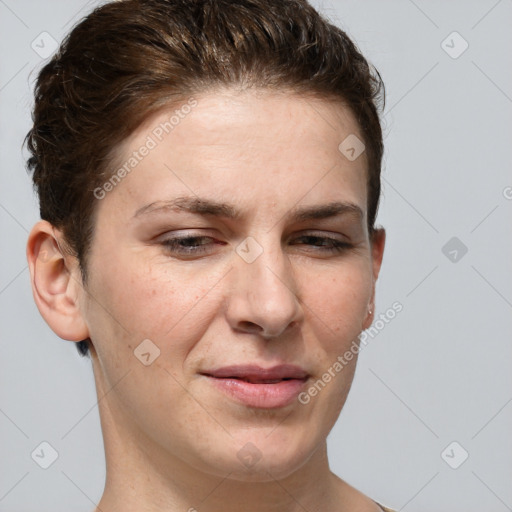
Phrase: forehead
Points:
(242, 144)
(277, 117)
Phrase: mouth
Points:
(255, 380)
(254, 386)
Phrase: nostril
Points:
(250, 326)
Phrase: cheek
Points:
(338, 298)
(138, 299)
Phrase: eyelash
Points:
(173, 244)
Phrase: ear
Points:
(377, 243)
(56, 282)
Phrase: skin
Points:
(171, 438)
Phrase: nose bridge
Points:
(266, 264)
(265, 291)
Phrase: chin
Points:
(259, 458)
(269, 471)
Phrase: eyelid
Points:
(320, 232)
(334, 246)
(206, 232)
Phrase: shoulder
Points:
(352, 498)
(386, 509)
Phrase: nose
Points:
(263, 297)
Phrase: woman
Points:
(209, 176)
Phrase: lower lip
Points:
(263, 396)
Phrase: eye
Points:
(195, 245)
(187, 245)
(325, 243)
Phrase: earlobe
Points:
(369, 313)
(56, 284)
(378, 243)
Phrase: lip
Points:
(249, 384)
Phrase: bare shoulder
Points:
(386, 509)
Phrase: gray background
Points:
(439, 372)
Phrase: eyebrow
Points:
(211, 208)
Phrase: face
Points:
(236, 244)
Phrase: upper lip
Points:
(255, 372)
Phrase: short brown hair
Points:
(127, 59)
